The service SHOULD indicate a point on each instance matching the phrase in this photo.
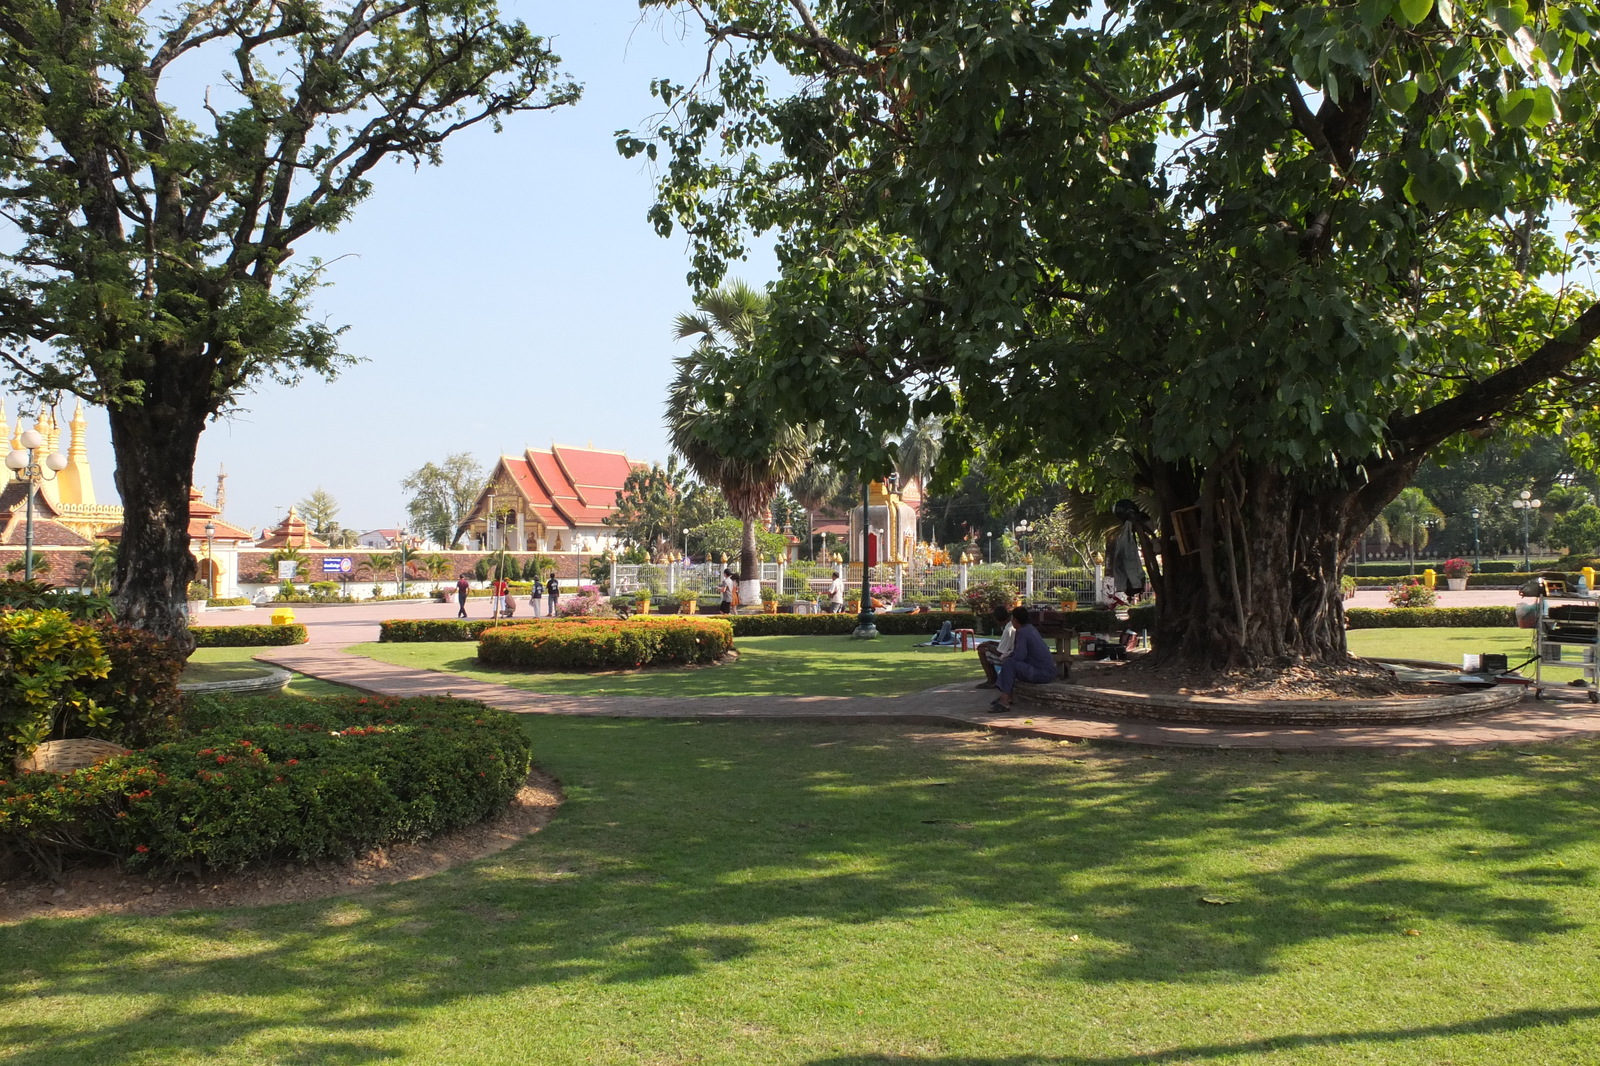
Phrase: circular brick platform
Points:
(1076, 699)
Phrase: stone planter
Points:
(196, 608)
(1455, 584)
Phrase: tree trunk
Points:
(749, 566)
(1260, 587)
(155, 448)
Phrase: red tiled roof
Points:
(565, 487)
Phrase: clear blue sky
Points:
(512, 297)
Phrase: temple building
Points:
(292, 532)
(69, 495)
(548, 501)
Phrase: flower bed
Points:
(247, 636)
(268, 779)
(606, 644)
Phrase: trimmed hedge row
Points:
(606, 644)
(1499, 568)
(343, 775)
(1429, 617)
(1509, 578)
(434, 630)
(247, 636)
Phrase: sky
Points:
(513, 297)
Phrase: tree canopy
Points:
(156, 215)
(1256, 260)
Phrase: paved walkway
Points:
(1529, 722)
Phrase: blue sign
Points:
(332, 565)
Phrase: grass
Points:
(1448, 645)
(767, 666)
(228, 664)
(826, 895)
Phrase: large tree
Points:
(155, 217)
(319, 510)
(442, 495)
(727, 437)
(657, 505)
(1253, 262)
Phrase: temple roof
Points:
(292, 532)
(200, 512)
(564, 487)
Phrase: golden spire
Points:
(5, 430)
(79, 447)
(52, 437)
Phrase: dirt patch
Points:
(1359, 680)
(95, 890)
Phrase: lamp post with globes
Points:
(1024, 527)
(1526, 505)
(211, 559)
(990, 545)
(27, 469)
(1477, 548)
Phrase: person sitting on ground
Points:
(991, 652)
(945, 638)
(1029, 661)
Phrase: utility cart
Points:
(1566, 636)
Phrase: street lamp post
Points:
(1477, 548)
(211, 560)
(22, 463)
(1526, 505)
(403, 560)
(686, 546)
(1024, 527)
(990, 545)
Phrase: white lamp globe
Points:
(16, 460)
(31, 439)
(56, 461)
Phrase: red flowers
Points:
(294, 762)
(141, 849)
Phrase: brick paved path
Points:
(1529, 722)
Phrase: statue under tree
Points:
(1249, 263)
(154, 273)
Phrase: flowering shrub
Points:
(601, 644)
(1457, 568)
(888, 595)
(586, 604)
(1412, 594)
(266, 778)
(985, 596)
(46, 659)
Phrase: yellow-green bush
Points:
(606, 644)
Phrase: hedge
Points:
(606, 644)
(247, 636)
(1508, 579)
(1499, 568)
(433, 630)
(1429, 617)
(341, 776)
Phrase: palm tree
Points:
(725, 438)
(1412, 517)
(918, 451)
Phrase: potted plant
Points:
(199, 593)
(1455, 573)
(687, 602)
(1069, 600)
(1347, 585)
(641, 601)
(769, 599)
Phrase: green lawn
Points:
(822, 895)
(1448, 645)
(227, 664)
(767, 666)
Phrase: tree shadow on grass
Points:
(684, 846)
(1357, 1041)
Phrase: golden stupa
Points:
(70, 493)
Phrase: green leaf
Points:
(1414, 11)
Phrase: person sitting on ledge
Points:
(991, 653)
(1029, 661)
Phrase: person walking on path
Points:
(497, 598)
(461, 595)
(727, 591)
(1029, 661)
(836, 594)
(552, 589)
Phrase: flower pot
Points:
(1070, 605)
(687, 608)
(769, 607)
(644, 606)
(1456, 584)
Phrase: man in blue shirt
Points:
(1029, 661)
